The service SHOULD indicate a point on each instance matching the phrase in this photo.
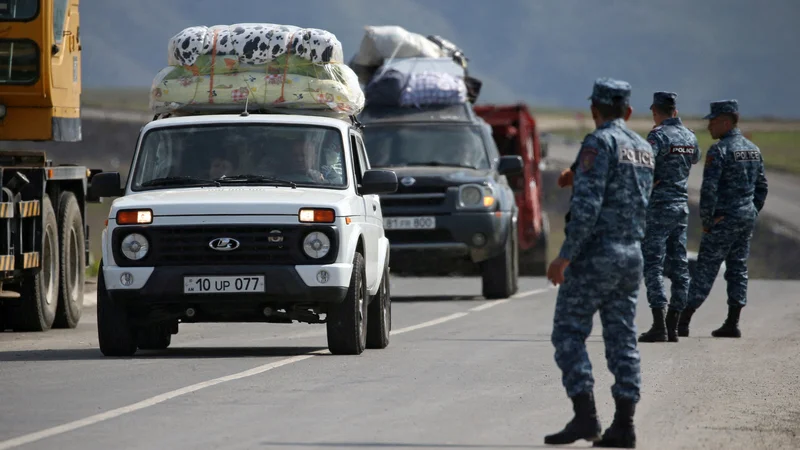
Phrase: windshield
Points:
(265, 154)
(415, 145)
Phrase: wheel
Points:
(116, 336)
(154, 337)
(379, 315)
(347, 321)
(501, 273)
(39, 288)
(72, 259)
(534, 261)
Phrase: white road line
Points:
(91, 420)
(493, 303)
(429, 323)
(152, 401)
(488, 305)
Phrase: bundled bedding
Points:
(261, 65)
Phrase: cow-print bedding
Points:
(254, 43)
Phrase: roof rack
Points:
(210, 110)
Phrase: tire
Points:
(347, 321)
(379, 315)
(154, 337)
(72, 260)
(534, 261)
(501, 273)
(116, 336)
(39, 291)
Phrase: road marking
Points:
(493, 303)
(152, 401)
(97, 418)
(430, 323)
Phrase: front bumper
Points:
(454, 237)
(284, 285)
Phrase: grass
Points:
(781, 149)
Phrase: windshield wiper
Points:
(246, 178)
(178, 181)
(440, 164)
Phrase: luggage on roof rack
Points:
(421, 81)
(383, 44)
(261, 65)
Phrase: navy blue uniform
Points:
(611, 190)
(733, 193)
(676, 150)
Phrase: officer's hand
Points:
(565, 179)
(555, 273)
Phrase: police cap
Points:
(610, 91)
(665, 99)
(723, 107)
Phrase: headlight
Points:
(135, 246)
(316, 244)
(471, 196)
(475, 196)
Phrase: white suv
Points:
(245, 218)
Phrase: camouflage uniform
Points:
(676, 150)
(603, 244)
(733, 192)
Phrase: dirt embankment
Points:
(774, 249)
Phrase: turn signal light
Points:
(134, 217)
(488, 201)
(317, 216)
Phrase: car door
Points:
(371, 232)
(374, 225)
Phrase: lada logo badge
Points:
(224, 244)
(275, 236)
(408, 181)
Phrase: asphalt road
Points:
(460, 372)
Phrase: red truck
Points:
(515, 133)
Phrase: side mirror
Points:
(106, 184)
(379, 182)
(510, 165)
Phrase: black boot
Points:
(683, 322)
(730, 329)
(658, 332)
(672, 324)
(621, 433)
(583, 426)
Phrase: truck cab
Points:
(245, 218)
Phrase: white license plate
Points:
(409, 223)
(223, 285)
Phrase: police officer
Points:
(733, 192)
(600, 267)
(676, 150)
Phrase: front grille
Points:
(189, 245)
(406, 200)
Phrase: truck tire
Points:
(534, 261)
(39, 290)
(501, 273)
(114, 332)
(346, 322)
(154, 337)
(72, 260)
(379, 315)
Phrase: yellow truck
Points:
(43, 237)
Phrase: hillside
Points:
(545, 53)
